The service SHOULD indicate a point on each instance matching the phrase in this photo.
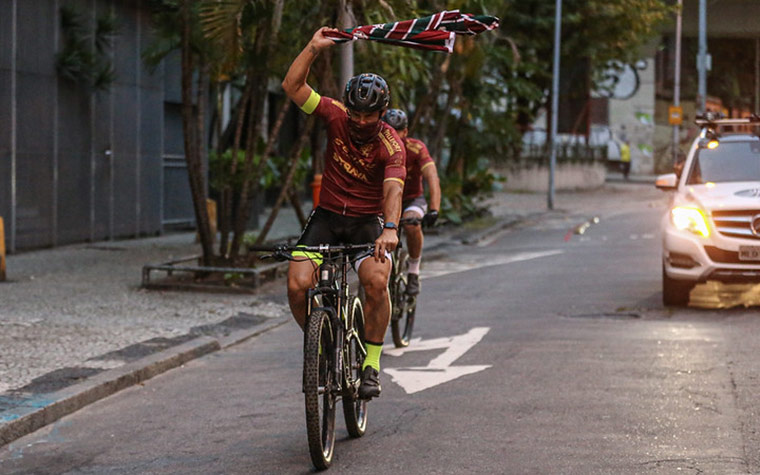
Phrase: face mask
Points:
(365, 133)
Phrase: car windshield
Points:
(730, 161)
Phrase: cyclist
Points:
(363, 178)
(419, 165)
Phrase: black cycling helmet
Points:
(366, 93)
(396, 118)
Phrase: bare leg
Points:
(414, 237)
(373, 276)
(300, 278)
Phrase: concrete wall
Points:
(567, 176)
(633, 119)
(77, 165)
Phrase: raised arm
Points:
(294, 83)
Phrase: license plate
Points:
(749, 253)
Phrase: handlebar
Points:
(321, 248)
(283, 251)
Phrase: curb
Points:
(504, 223)
(43, 409)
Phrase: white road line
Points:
(440, 268)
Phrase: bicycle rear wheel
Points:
(354, 408)
(403, 306)
(318, 387)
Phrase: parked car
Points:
(712, 228)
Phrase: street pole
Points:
(702, 58)
(555, 102)
(347, 48)
(757, 75)
(677, 81)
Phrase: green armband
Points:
(311, 103)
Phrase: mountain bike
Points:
(403, 306)
(333, 348)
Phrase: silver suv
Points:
(712, 228)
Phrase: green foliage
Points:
(233, 278)
(249, 239)
(461, 195)
(84, 57)
(220, 170)
(470, 108)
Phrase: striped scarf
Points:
(435, 32)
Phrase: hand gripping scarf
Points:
(434, 33)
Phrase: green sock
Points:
(373, 356)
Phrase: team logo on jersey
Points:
(350, 168)
(389, 141)
(364, 151)
(413, 146)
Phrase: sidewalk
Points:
(73, 320)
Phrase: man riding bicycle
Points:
(419, 165)
(363, 178)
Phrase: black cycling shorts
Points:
(326, 227)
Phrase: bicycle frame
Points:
(335, 300)
(333, 348)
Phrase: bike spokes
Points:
(354, 409)
(320, 388)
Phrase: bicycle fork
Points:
(337, 333)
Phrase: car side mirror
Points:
(667, 182)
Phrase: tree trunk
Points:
(244, 206)
(264, 47)
(436, 145)
(295, 201)
(456, 164)
(295, 156)
(228, 191)
(193, 136)
(427, 105)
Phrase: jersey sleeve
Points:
(425, 159)
(325, 108)
(395, 164)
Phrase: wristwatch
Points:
(390, 225)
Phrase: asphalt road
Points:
(574, 367)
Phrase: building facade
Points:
(82, 163)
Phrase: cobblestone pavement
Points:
(64, 306)
(69, 306)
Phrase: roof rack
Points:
(714, 120)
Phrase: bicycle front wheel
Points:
(319, 382)
(354, 408)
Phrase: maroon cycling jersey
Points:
(352, 183)
(417, 159)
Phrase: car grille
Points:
(735, 223)
(723, 256)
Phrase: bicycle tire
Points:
(355, 409)
(317, 368)
(403, 306)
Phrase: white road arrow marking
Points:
(439, 370)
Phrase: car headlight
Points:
(691, 219)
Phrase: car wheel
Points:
(675, 293)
